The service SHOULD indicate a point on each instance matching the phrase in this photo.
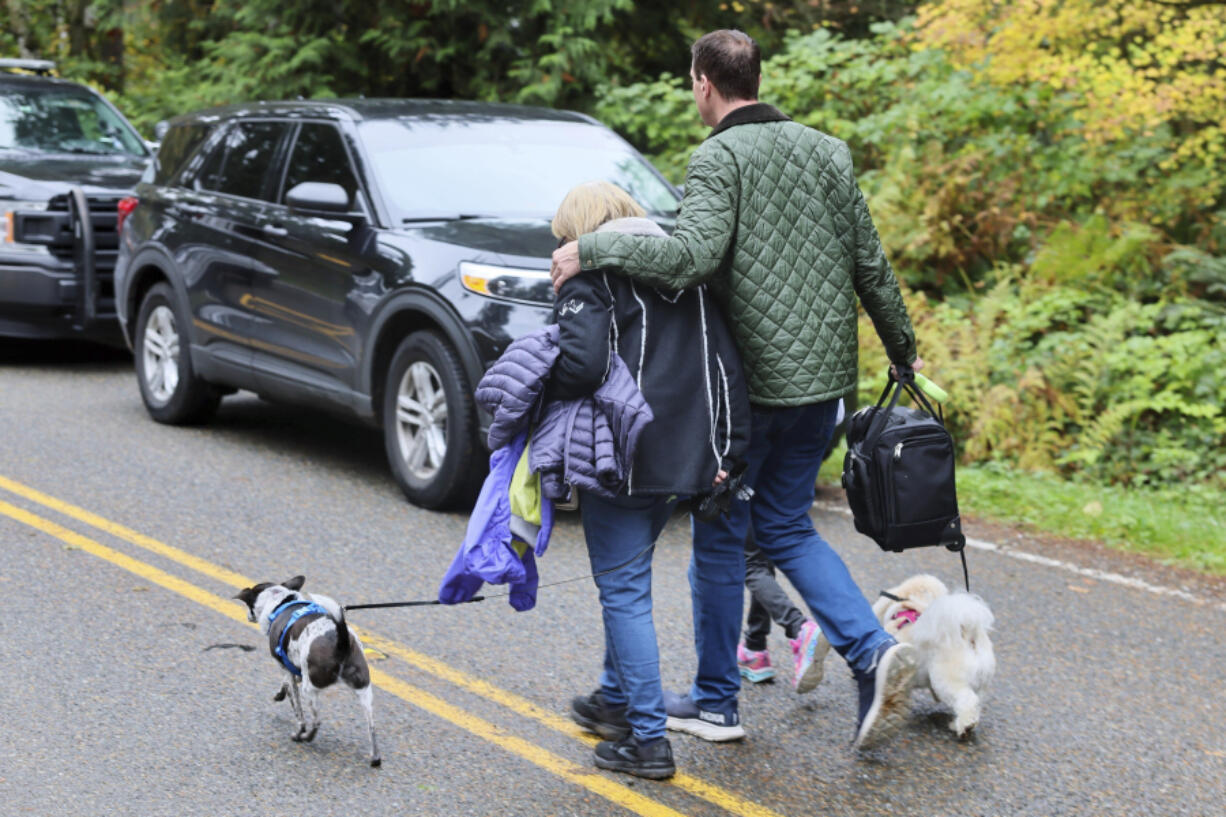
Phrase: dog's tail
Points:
(959, 618)
(343, 642)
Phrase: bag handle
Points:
(903, 381)
(880, 417)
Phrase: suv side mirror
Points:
(159, 130)
(318, 198)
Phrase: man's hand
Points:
(720, 477)
(915, 367)
(565, 264)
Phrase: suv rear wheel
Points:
(429, 423)
(171, 390)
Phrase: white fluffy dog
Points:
(950, 634)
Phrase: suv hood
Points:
(42, 176)
(521, 237)
(525, 238)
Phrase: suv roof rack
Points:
(40, 67)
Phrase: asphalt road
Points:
(131, 684)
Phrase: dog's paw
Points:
(310, 734)
(299, 735)
(280, 696)
(376, 762)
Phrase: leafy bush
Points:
(1070, 365)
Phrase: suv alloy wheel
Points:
(429, 423)
(171, 390)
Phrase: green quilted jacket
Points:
(774, 221)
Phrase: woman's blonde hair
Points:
(589, 205)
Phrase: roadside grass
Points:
(1185, 528)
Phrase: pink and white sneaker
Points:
(809, 649)
(755, 665)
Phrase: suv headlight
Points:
(524, 286)
(10, 208)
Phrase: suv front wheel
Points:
(171, 390)
(429, 423)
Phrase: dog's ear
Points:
(295, 583)
(879, 606)
(247, 596)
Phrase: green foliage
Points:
(1184, 526)
(167, 57)
(1095, 362)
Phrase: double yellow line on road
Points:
(606, 787)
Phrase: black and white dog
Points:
(308, 636)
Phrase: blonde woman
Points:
(683, 360)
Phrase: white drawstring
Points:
(643, 335)
(706, 374)
(727, 407)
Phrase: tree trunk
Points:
(78, 31)
(21, 27)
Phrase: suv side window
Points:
(250, 148)
(319, 156)
(179, 143)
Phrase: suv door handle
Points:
(275, 230)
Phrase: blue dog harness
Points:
(301, 607)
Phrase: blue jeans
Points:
(785, 451)
(617, 529)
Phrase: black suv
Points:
(67, 158)
(367, 256)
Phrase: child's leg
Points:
(768, 596)
(757, 625)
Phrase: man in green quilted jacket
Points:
(774, 222)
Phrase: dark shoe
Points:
(717, 725)
(885, 693)
(595, 715)
(653, 760)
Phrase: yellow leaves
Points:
(1124, 67)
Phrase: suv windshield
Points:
(448, 167)
(61, 120)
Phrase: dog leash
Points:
(966, 578)
(474, 599)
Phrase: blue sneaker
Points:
(885, 693)
(713, 725)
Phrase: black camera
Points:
(717, 502)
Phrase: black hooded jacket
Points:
(682, 355)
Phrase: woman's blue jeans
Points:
(616, 530)
(786, 447)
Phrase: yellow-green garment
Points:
(525, 496)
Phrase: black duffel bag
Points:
(899, 472)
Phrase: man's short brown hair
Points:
(731, 60)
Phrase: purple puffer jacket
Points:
(513, 385)
(486, 554)
(590, 443)
(587, 443)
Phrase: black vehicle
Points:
(67, 157)
(367, 256)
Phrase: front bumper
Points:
(40, 296)
(56, 275)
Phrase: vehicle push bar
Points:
(83, 257)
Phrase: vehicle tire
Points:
(172, 392)
(430, 423)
